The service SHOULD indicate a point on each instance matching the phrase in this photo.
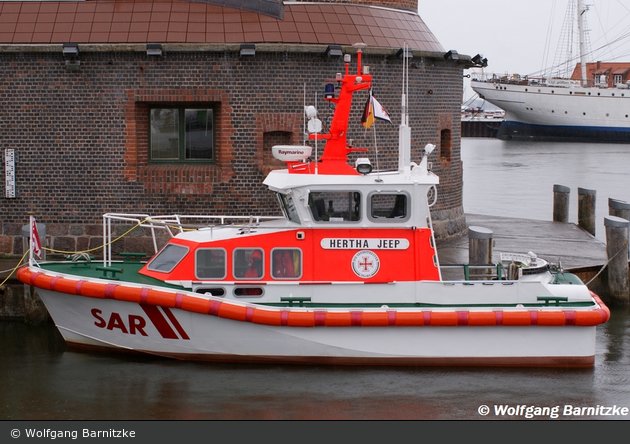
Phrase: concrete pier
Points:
(480, 128)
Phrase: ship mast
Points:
(581, 10)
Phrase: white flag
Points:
(379, 111)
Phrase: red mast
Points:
(334, 160)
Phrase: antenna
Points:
(304, 132)
(404, 132)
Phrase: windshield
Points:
(168, 258)
(288, 208)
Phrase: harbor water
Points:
(40, 379)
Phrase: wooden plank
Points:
(552, 241)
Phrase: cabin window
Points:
(288, 208)
(248, 263)
(286, 263)
(210, 263)
(212, 291)
(248, 292)
(389, 207)
(168, 258)
(335, 206)
(181, 135)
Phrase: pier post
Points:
(561, 203)
(617, 249)
(479, 249)
(586, 209)
(619, 208)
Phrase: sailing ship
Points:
(583, 108)
(349, 275)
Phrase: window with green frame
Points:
(181, 134)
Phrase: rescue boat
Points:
(349, 275)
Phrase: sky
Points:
(521, 36)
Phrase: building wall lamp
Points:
(333, 51)
(404, 53)
(451, 55)
(154, 49)
(248, 49)
(71, 54)
(480, 60)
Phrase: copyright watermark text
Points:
(553, 412)
(72, 434)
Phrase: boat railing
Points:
(170, 224)
(517, 79)
(474, 272)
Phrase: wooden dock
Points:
(567, 243)
(480, 128)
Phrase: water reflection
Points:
(516, 178)
(43, 380)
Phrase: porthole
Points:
(244, 292)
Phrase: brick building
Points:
(85, 84)
(604, 74)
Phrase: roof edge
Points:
(212, 47)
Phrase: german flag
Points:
(373, 110)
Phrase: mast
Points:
(581, 10)
(404, 132)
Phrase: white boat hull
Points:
(558, 113)
(96, 323)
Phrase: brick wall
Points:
(81, 137)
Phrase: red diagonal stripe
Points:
(159, 321)
(175, 323)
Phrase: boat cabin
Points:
(335, 228)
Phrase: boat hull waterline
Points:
(113, 316)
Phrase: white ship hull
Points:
(535, 112)
(209, 338)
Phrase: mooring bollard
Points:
(586, 209)
(479, 249)
(619, 208)
(617, 250)
(561, 203)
